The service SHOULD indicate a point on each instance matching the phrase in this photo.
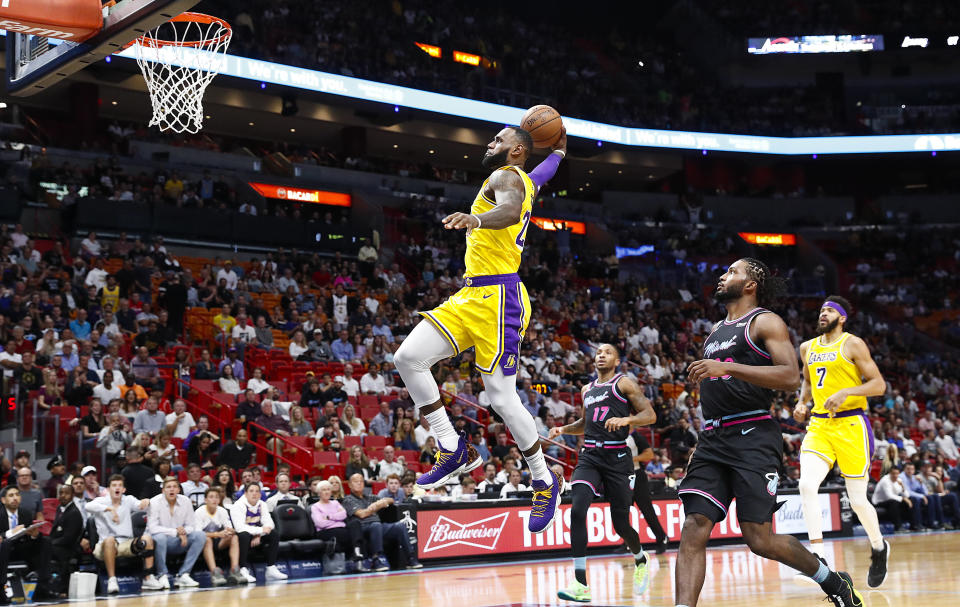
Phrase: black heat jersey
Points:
(600, 403)
(730, 342)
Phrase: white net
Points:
(179, 59)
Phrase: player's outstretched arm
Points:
(575, 428)
(801, 410)
(782, 374)
(509, 191)
(643, 415)
(545, 171)
(856, 350)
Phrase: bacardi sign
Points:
(267, 190)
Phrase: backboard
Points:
(40, 51)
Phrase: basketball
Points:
(544, 124)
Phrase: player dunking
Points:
(745, 358)
(491, 313)
(839, 374)
(611, 404)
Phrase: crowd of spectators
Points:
(75, 335)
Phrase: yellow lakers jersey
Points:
(830, 371)
(110, 296)
(498, 251)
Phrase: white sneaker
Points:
(165, 582)
(273, 573)
(246, 575)
(152, 583)
(185, 581)
(112, 586)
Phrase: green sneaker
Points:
(641, 578)
(576, 592)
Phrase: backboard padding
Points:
(34, 64)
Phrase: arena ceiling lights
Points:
(356, 88)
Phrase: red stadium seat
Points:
(204, 385)
(375, 442)
(367, 413)
(350, 441)
(325, 458)
(377, 487)
(369, 400)
(409, 456)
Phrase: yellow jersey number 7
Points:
(821, 376)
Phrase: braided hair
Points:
(770, 287)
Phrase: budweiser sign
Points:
(483, 534)
(444, 532)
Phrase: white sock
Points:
(441, 426)
(538, 467)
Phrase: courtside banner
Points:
(445, 533)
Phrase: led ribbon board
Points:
(368, 90)
(814, 44)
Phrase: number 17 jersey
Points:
(600, 403)
(492, 252)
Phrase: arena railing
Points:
(566, 464)
(225, 425)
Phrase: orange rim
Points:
(184, 18)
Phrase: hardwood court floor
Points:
(924, 570)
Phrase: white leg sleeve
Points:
(812, 472)
(422, 349)
(504, 399)
(857, 492)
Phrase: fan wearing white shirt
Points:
(283, 493)
(242, 332)
(257, 383)
(9, 359)
(254, 525)
(113, 516)
(108, 363)
(422, 431)
(227, 274)
(179, 423)
(214, 520)
(372, 382)
(194, 487)
(172, 524)
(515, 484)
(350, 385)
(107, 391)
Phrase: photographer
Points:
(115, 437)
(113, 516)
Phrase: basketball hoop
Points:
(178, 60)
